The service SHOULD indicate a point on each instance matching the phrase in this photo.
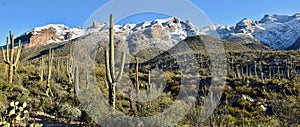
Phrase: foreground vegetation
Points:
(261, 88)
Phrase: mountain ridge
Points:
(277, 31)
(171, 29)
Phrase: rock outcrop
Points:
(49, 34)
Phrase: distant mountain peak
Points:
(277, 30)
(279, 18)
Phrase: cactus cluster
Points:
(15, 115)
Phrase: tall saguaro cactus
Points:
(70, 63)
(70, 69)
(137, 75)
(76, 81)
(255, 70)
(50, 62)
(261, 72)
(10, 58)
(42, 69)
(110, 65)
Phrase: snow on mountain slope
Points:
(52, 33)
(277, 31)
(171, 30)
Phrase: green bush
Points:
(68, 111)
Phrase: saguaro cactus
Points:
(288, 68)
(70, 66)
(10, 58)
(42, 69)
(261, 72)
(278, 71)
(50, 61)
(70, 70)
(150, 86)
(87, 80)
(255, 70)
(137, 75)
(76, 81)
(110, 65)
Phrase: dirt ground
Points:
(52, 121)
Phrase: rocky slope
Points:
(52, 33)
(277, 31)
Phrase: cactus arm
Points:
(18, 54)
(122, 67)
(108, 73)
(4, 57)
(7, 50)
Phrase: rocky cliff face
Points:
(43, 36)
(49, 34)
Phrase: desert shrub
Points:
(230, 119)
(5, 87)
(3, 102)
(47, 105)
(68, 111)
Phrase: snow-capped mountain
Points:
(52, 33)
(277, 31)
(171, 30)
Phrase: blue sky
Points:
(20, 16)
